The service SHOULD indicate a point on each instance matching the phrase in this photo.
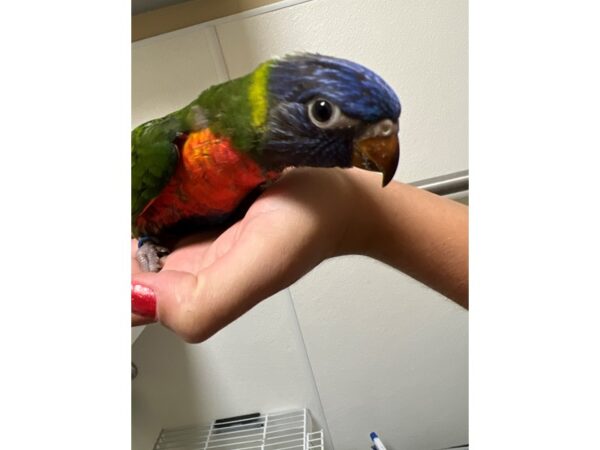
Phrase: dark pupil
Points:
(322, 110)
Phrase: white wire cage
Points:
(290, 430)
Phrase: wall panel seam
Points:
(218, 55)
(310, 368)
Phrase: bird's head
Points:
(322, 111)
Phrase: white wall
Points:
(386, 353)
(257, 364)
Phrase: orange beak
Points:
(378, 149)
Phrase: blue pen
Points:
(378, 444)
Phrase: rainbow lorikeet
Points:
(196, 166)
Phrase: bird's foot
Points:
(149, 255)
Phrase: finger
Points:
(186, 255)
(137, 320)
(152, 292)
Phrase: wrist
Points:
(363, 223)
(417, 232)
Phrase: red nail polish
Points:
(143, 300)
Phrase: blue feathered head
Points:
(326, 112)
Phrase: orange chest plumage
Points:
(211, 179)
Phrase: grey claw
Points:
(148, 256)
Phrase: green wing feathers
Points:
(154, 157)
(236, 109)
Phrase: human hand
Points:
(309, 215)
(209, 280)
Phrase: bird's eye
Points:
(323, 113)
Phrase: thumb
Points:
(156, 296)
(194, 307)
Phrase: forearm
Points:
(419, 233)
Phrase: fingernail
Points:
(143, 300)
